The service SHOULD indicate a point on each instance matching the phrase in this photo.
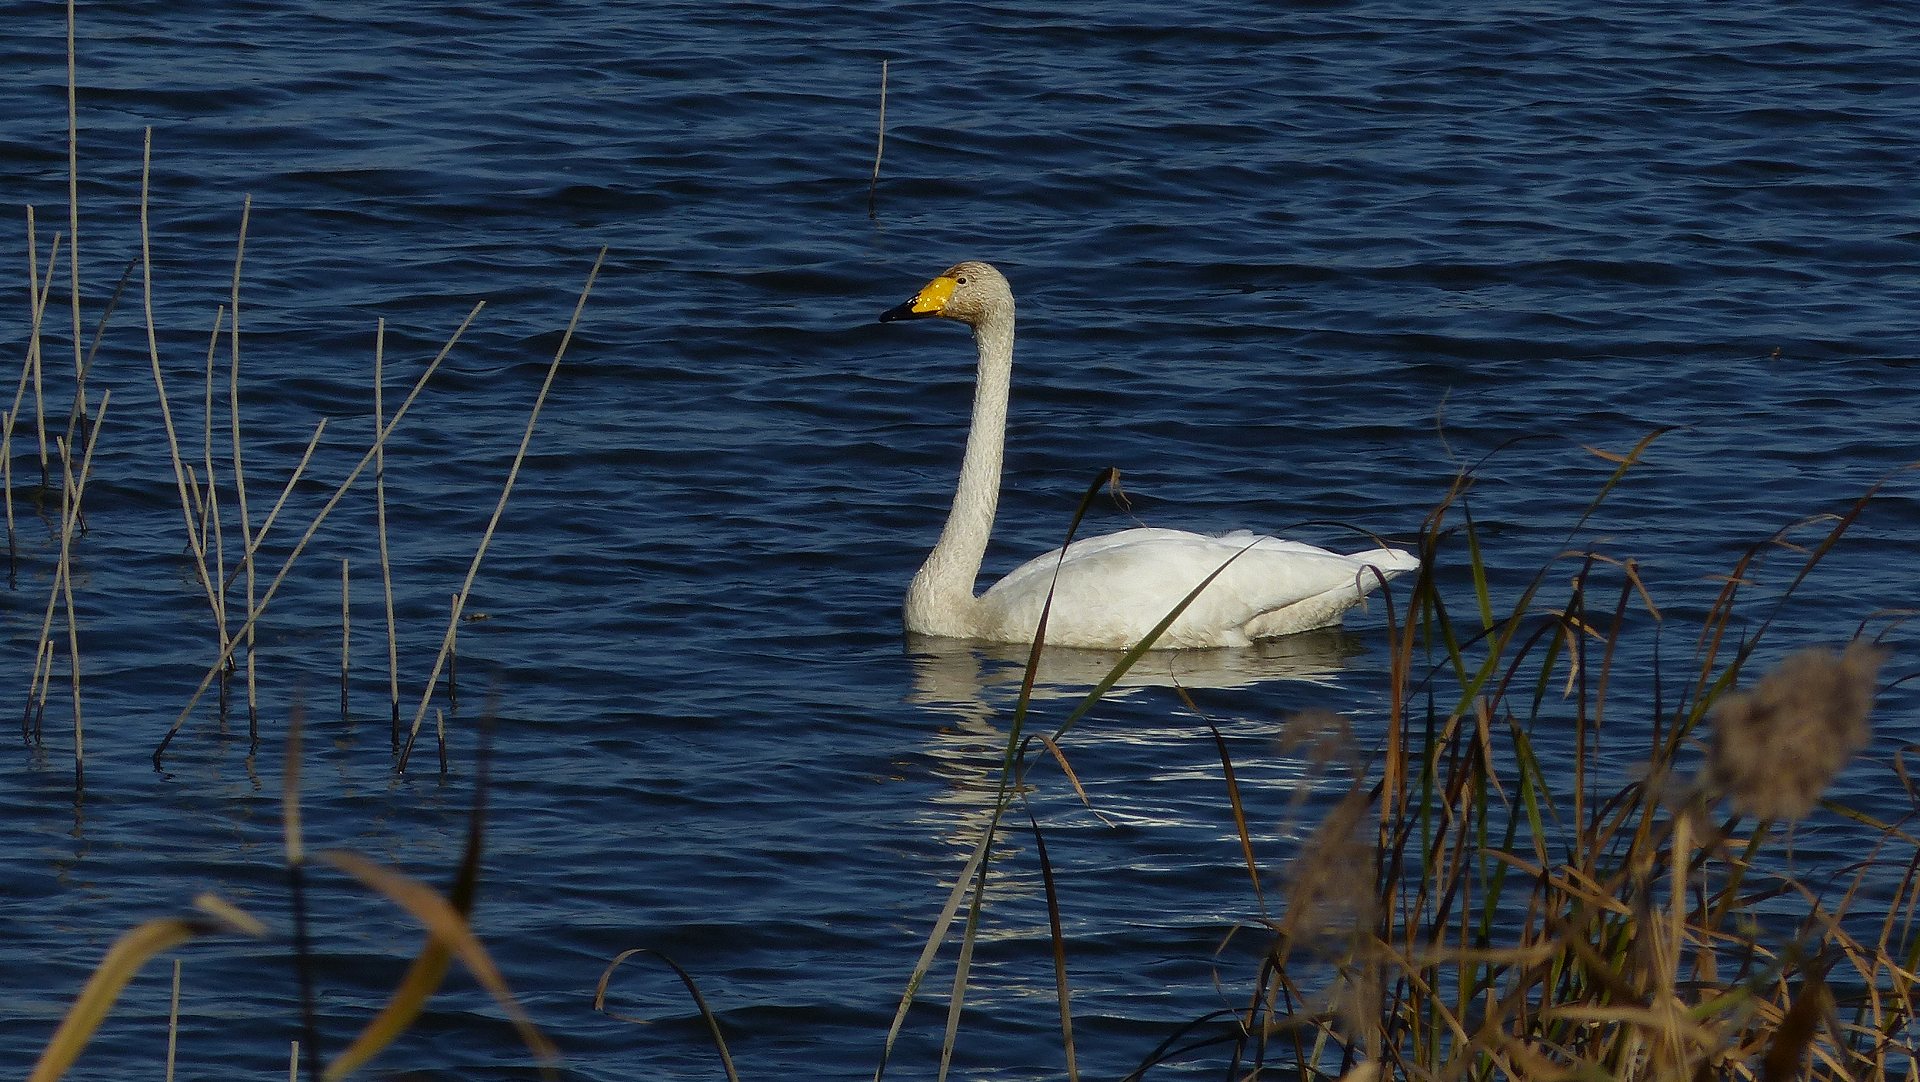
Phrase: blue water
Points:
(1284, 268)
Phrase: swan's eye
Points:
(961, 280)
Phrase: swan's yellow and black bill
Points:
(931, 299)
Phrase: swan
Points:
(1111, 590)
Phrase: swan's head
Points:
(970, 292)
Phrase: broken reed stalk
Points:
(380, 520)
(879, 145)
(239, 468)
(499, 509)
(188, 500)
(314, 527)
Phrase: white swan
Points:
(1110, 590)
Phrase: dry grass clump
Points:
(1461, 912)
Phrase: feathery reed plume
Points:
(1777, 746)
(1330, 889)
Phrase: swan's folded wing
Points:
(1113, 589)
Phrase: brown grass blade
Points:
(449, 928)
(124, 959)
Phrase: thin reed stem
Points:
(313, 528)
(72, 490)
(37, 292)
(239, 467)
(42, 660)
(31, 371)
(879, 145)
(299, 468)
(453, 654)
(188, 501)
(499, 509)
(211, 526)
(73, 211)
(380, 521)
(173, 1020)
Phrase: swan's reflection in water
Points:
(1153, 767)
(973, 681)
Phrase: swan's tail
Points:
(1388, 562)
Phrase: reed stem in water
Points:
(499, 508)
(380, 519)
(314, 527)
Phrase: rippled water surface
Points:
(1285, 268)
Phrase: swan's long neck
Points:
(940, 601)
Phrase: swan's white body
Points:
(1110, 591)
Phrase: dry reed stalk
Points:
(30, 371)
(180, 469)
(72, 491)
(73, 212)
(77, 416)
(173, 1020)
(380, 520)
(293, 1062)
(440, 737)
(42, 659)
(239, 468)
(266, 524)
(879, 145)
(211, 527)
(314, 527)
(453, 652)
(499, 509)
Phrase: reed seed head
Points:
(1778, 745)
